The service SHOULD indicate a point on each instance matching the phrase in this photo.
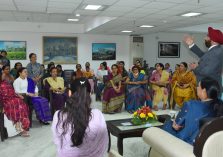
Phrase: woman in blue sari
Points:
(137, 92)
(186, 124)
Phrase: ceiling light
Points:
(92, 7)
(72, 19)
(190, 14)
(78, 15)
(126, 31)
(146, 26)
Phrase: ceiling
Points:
(126, 14)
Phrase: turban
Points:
(215, 35)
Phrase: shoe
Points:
(44, 123)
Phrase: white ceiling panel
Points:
(159, 5)
(60, 10)
(7, 7)
(144, 11)
(88, 12)
(164, 14)
(100, 2)
(132, 3)
(120, 9)
(31, 2)
(38, 17)
(112, 14)
(62, 5)
(6, 2)
(67, 1)
(31, 9)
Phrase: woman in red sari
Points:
(14, 108)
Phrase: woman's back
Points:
(95, 140)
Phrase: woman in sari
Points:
(56, 85)
(159, 80)
(6, 74)
(137, 93)
(89, 74)
(14, 70)
(183, 85)
(27, 89)
(14, 108)
(113, 96)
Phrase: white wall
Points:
(151, 48)
(34, 44)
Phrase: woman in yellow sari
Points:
(183, 85)
(159, 80)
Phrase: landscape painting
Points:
(16, 50)
(103, 51)
(60, 50)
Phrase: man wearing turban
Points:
(211, 62)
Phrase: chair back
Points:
(207, 130)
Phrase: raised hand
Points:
(189, 40)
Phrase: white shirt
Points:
(100, 74)
(21, 85)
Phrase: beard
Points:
(208, 43)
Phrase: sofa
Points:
(209, 142)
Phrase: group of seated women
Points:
(20, 96)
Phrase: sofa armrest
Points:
(166, 144)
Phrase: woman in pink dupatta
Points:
(78, 130)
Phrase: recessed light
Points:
(92, 7)
(146, 26)
(126, 31)
(78, 15)
(190, 14)
(72, 19)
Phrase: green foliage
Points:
(16, 55)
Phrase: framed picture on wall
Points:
(16, 50)
(103, 51)
(60, 50)
(168, 49)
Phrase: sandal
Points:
(155, 108)
(164, 107)
(24, 134)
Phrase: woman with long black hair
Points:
(79, 130)
(186, 124)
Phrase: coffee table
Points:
(121, 129)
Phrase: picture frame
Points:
(60, 50)
(103, 51)
(169, 49)
(16, 50)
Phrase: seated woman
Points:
(159, 80)
(113, 96)
(60, 72)
(79, 130)
(137, 93)
(6, 74)
(14, 70)
(101, 73)
(14, 107)
(56, 85)
(27, 89)
(183, 85)
(89, 75)
(186, 124)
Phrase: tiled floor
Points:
(40, 144)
